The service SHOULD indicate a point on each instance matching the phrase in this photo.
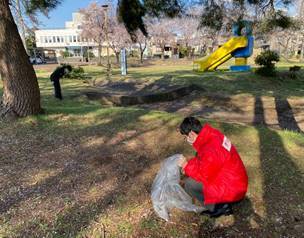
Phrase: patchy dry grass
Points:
(83, 170)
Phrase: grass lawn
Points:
(222, 81)
(85, 170)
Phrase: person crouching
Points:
(216, 176)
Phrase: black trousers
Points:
(195, 190)
(57, 89)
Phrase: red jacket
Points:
(218, 166)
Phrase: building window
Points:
(78, 39)
(77, 52)
(71, 38)
(74, 39)
(50, 39)
(46, 39)
(58, 39)
(62, 39)
(54, 39)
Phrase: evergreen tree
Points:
(21, 95)
(217, 14)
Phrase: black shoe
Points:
(219, 210)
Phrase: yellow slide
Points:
(222, 54)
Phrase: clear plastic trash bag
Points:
(166, 192)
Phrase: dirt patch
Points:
(46, 67)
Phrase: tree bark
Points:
(117, 57)
(141, 57)
(21, 95)
(188, 51)
(297, 45)
(142, 50)
(162, 52)
(99, 54)
(302, 51)
(141, 53)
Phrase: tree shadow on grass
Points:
(285, 115)
(245, 83)
(118, 123)
(77, 217)
(283, 181)
(84, 167)
(283, 192)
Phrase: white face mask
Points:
(190, 140)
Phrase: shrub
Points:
(183, 52)
(134, 53)
(293, 71)
(64, 54)
(76, 73)
(267, 72)
(267, 61)
(91, 55)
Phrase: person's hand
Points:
(182, 162)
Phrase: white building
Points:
(66, 40)
(69, 43)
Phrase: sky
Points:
(63, 12)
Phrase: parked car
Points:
(36, 60)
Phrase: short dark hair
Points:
(68, 67)
(190, 124)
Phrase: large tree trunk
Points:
(21, 95)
